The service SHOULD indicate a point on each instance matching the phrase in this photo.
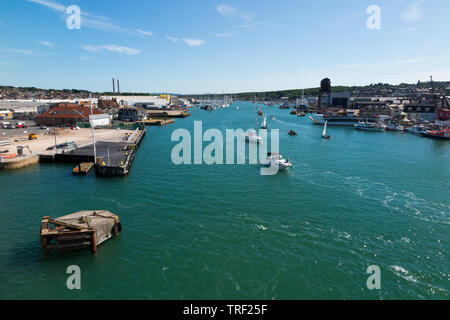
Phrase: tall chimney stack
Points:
(114, 86)
(118, 87)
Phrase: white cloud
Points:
(414, 12)
(47, 44)
(230, 12)
(250, 25)
(223, 35)
(193, 42)
(20, 51)
(111, 48)
(226, 10)
(173, 39)
(145, 33)
(409, 61)
(50, 4)
(87, 20)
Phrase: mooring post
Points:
(94, 242)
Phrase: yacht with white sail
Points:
(252, 136)
(324, 132)
(264, 123)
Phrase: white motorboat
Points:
(369, 126)
(417, 129)
(252, 136)
(275, 159)
(395, 127)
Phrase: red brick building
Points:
(444, 114)
(66, 115)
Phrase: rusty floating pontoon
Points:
(83, 229)
(83, 168)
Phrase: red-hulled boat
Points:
(443, 134)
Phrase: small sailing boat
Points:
(252, 135)
(260, 113)
(324, 133)
(264, 123)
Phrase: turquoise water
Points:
(226, 232)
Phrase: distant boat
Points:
(253, 137)
(324, 133)
(301, 114)
(348, 118)
(443, 134)
(292, 133)
(395, 127)
(276, 160)
(237, 108)
(416, 129)
(264, 123)
(260, 113)
(368, 126)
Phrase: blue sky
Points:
(201, 46)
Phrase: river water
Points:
(227, 232)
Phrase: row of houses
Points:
(375, 107)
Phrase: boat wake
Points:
(396, 200)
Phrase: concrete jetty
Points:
(156, 122)
(113, 158)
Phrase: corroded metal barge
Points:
(83, 229)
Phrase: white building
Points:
(139, 101)
(100, 120)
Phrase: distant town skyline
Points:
(220, 46)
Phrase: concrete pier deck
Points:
(113, 158)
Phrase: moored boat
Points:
(347, 118)
(417, 129)
(394, 127)
(369, 126)
(442, 134)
